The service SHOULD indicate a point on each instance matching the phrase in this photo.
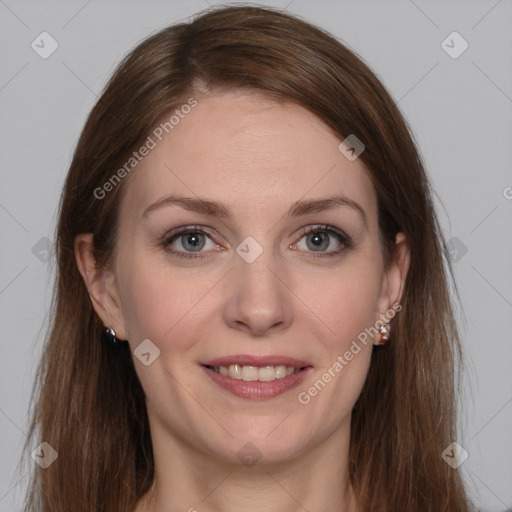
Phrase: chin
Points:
(256, 444)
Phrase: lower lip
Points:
(255, 389)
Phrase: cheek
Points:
(346, 300)
(161, 306)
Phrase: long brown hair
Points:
(89, 402)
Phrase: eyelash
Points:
(343, 239)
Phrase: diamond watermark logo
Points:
(457, 249)
(249, 455)
(454, 45)
(45, 455)
(351, 147)
(42, 250)
(249, 249)
(44, 45)
(454, 455)
(147, 352)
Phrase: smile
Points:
(257, 378)
(250, 373)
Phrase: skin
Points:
(258, 157)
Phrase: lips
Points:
(256, 377)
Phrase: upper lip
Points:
(252, 360)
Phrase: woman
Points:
(252, 308)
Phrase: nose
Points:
(259, 300)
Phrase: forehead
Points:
(248, 151)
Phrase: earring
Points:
(385, 330)
(110, 337)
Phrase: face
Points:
(279, 266)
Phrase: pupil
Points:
(193, 240)
(318, 240)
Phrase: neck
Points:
(194, 481)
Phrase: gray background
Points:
(460, 111)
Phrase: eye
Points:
(195, 242)
(321, 238)
(185, 241)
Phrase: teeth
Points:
(235, 371)
(249, 373)
(267, 373)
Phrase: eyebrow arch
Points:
(302, 207)
(216, 209)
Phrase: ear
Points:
(101, 285)
(393, 282)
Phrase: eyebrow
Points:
(216, 209)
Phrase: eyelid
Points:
(323, 227)
(191, 227)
